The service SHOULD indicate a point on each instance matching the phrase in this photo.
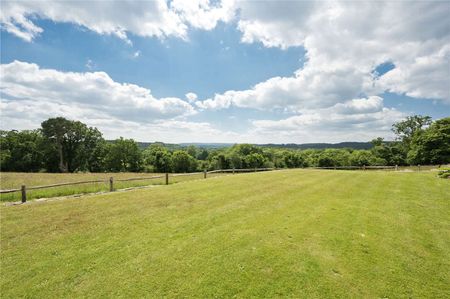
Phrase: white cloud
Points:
(156, 18)
(202, 14)
(355, 120)
(28, 114)
(308, 88)
(143, 18)
(345, 41)
(275, 24)
(191, 97)
(427, 77)
(31, 94)
(25, 83)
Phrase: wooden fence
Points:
(111, 180)
(205, 173)
(358, 167)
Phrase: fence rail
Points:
(205, 173)
(111, 180)
(187, 174)
(358, 167)
(140, 178)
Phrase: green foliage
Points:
(406, 129)
(444, 173)
(158, 157)
(74, 142)
(21, 151)
(388, 153)
(254, 160)
(364, 157)
(123, 155)
(64, 145)
(183, 162)
(432, 145)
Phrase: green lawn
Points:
(299, 233)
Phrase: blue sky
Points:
(258, 72)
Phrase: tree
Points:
(73, 141)
(246, 149)
(183, 162)
(360, 158)
(388, 153)
(158, 157)
(55, 130)
(97, 158)
(123, 155)
(203, 155)
(432, 145)
(192, 150)
(254, 160)
(21, 151)
(235, 160)
(406, 129)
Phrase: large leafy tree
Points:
(158, 157)
(388, 153)
(55, 131)
(123, 155)
(21, 150)
(432, 145)
(406, 129)
(183, 162)
(254, 160)
(73, 141)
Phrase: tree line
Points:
(63, 145)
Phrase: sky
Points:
(225, 71)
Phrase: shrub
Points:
(444, 173)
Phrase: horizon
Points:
(225, 71)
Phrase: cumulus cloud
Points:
(357, 119)
(26, 83)
(143, 18)
(203, 14)
(168, 130)
(335, 90)
(345, 42)
(308, 88)
(30, 94)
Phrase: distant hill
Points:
(354, 145)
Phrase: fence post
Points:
(24, 193)
(255, 169)
(233, 170)
(364, 167)
(204, 174)
(396, 167)
(111, 184)
(418, 166)
(167, 178)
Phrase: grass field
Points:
(299, 233)
(14, 180)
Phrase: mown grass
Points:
(14, 180)
(299, 234)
